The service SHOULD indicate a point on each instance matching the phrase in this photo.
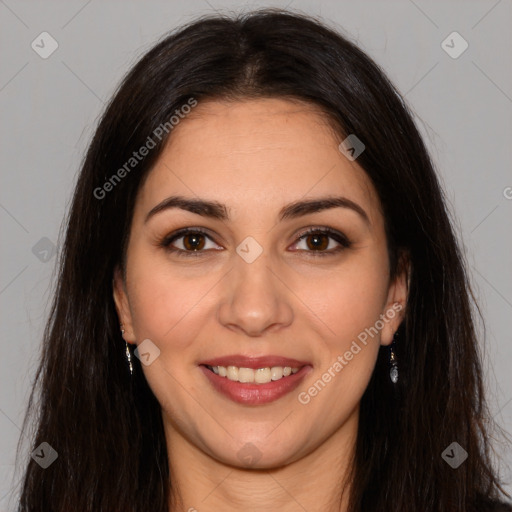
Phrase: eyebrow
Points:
(218, 211)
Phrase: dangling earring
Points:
(393, 370)
(128, 354)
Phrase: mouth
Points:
(250, 375)
(254, 381)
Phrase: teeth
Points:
(248, 375)
(245, 375)
(262, 375)
(232, 372)
(276, 372)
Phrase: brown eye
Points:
(189, 242)
(322, 242)
(194, 241)
(318, 241)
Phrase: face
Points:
(263, 281)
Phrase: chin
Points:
(258, 454)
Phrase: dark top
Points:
(500, 507)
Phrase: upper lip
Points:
(254, 362)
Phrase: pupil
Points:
(193, 242)
(317, 243)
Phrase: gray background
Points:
(50, 107)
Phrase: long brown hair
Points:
(106, 426)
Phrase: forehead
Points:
(254, 154)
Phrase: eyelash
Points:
(335, 235)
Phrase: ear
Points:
(394, 310)
(123, 305)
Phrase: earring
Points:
(393, 370)
(128, 354)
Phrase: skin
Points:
(256, 156)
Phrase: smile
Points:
(250, 375)
(254, 386)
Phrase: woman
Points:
(261, 303)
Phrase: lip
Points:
(254, 362)
(256, 394)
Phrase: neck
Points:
(201, 483)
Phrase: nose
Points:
(255, 299)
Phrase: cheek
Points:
(349, 305)
(349, 299)
(170, 308)
(166, 303)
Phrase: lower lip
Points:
(255, 394)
